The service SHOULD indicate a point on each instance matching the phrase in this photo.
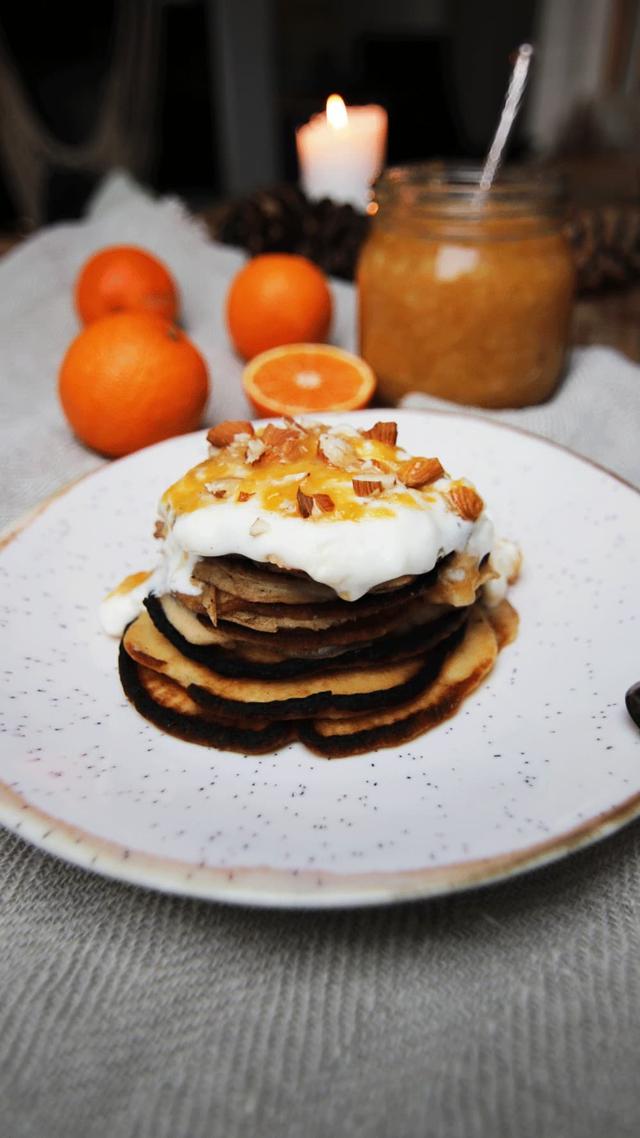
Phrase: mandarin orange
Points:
(123, 278)
(132, 379)
(277, 298)
(298, 378)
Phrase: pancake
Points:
(316, 584)
(454, 673)
(171, 709)
(351, 690)
(413, 642)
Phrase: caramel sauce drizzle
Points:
(291, 462)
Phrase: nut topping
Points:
(283, 443)
(364, 487)
(293, 424)
(159, 529)
(383, 467)
(274, 436)
(336, 451)
(324, 502)
(305, 503)
(417, 472)
(383, 433)
(466, 502)
(243, 496)
(224, 433)
(254, 450)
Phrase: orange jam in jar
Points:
(466, 294)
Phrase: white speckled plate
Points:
(541, 760)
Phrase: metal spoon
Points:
(632, 700)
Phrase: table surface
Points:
(513, 1010)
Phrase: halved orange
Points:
(296, 378)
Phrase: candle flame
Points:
(336, 112)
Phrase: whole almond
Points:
(224, 433)
(466, 502)
(365, 487)
(417, 472)
(383, 433)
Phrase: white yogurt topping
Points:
(349, 556)
(505, 560)
(118, 609)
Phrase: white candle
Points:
(342, 151)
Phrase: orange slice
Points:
(307, 377)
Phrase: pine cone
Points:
(283, 220)
(269, 221)
(606, 245)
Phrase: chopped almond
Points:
(305, 503)
(293, 424)
(294, 449)
(336, 451)
(274, 436)
(383, 433)
(223, 434)
(417, 472)
(383, 467)
(283, 444)
(466, 502)
(159, 529)
(364, 488)
(219, 493)
(254, 450)
(243, 496)
(324, 502)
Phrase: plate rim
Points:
(270, 887)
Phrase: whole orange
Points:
(129, 380)
(123, 278)
(277, 298)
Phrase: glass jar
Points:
(466, 294)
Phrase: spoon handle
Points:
(515, 91)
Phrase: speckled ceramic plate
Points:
(541, 760)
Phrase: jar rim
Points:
(454, 186)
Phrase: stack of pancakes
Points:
(262, 655)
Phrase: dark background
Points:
(439, 67)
